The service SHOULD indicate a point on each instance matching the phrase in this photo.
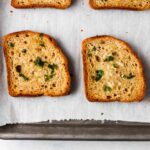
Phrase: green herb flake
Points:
(11, 44)
(24, 51)
(42, 44)
(52, 67)
(23, 76)
(99, 74)
(115, 65)
(107, 88)
(48, 77)
(89, 54)
(94, 48)
(91, 50)
(18, 68)
(109, 58)
(130, 76)
(39, 62)
(41, 35)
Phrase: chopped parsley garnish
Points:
(109, 58)
(99, 74)
(130, 76)
(94, 48)
(89, 54)
(115, 65)
(41, 35)
(18, 69)
(24, 50)
(11, 44)
(107, 88)
(52, 67)
(91, 50)
(42, 44)
(39, 62)
(48, 77)
(23, 76)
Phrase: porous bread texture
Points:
(112, 71)
(120, 4)
(61, 4)
(35, 65)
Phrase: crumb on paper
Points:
(81, 30)
(11, 11)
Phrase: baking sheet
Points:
(69, 27)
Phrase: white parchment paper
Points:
(69, 27)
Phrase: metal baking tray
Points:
(78, 130)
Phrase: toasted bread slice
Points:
(112, 71)
(35, 65)
(120, 4)
(61, 4)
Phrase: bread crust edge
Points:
(13, 4)
(92, 5)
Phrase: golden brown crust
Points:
(15, 5)
(91, 97)
(9, 79)
(94, 6)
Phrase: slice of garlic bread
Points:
(61, 4)
(112, 71)
(35, 65)
(120, 4)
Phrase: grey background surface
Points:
(71, 145)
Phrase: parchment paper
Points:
(69, 27)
